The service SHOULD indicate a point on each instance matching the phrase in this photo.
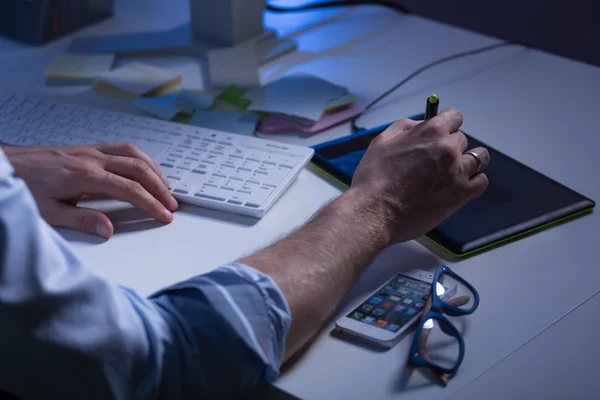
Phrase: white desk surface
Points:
(538, 108)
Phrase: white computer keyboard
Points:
(208, 168)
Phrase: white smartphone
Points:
(390, 311)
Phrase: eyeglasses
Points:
(437, 344)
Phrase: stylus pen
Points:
(431, 110)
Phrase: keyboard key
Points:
(247, 187)
(249, 165)
(215, 181)
(12, 130)
(185, 164)
(81, 112)
(80, 122)
(24, 142)
(63, 108)
(255, 178)
(276, 176)
(210, 158)
(42, 135)
(272, 159)
(182, 187)
(288, 162)
(239, 175)
(177, 174)
(33, 123)
(64, 119)
(213, 193)
(238, 198)
(64, 129)
(28, 132)
(264, 169)
(19, 120)
(254, 156)
(231, 184)
(259, 196)
(78, 131)
(232, 162)
(110, 116)
(95, 114)
(238, 153)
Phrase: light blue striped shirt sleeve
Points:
(67, 333)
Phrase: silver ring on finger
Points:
(477, 159)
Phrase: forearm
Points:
(83, 337)
(316, 265)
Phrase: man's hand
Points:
(418, 173)
(58, 177)
(412, 177)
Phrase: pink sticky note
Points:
(273, 124)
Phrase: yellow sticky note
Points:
(137, 80)
(77, 69)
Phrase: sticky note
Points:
(137, 80)
(236, 65)
(77, 69)
(226, 121)
(274, 123)
(163, 107)
(300, 95)
(194, 100)
(233, 95)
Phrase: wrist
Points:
(372, 213)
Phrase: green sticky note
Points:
(343, 101)
(233, 95)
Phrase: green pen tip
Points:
(433, 99)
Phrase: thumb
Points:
(82, 219)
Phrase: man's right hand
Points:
(418, 175)
(58, 177)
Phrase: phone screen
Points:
(396, 304)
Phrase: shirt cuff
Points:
(252, 304)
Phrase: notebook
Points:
(519, 200)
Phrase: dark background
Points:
(570, 28)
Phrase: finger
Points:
(82, 219)
(402, 125)
(139, 171)
(469, 162)
(459, 141)
(123, 189)
(130, 150)
(448, 121)
(478, 184)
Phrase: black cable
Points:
(426, 67)
(345, 3)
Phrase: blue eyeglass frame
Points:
(436, 311)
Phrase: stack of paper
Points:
(77, 69)
(137, 80)
(301, 103)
